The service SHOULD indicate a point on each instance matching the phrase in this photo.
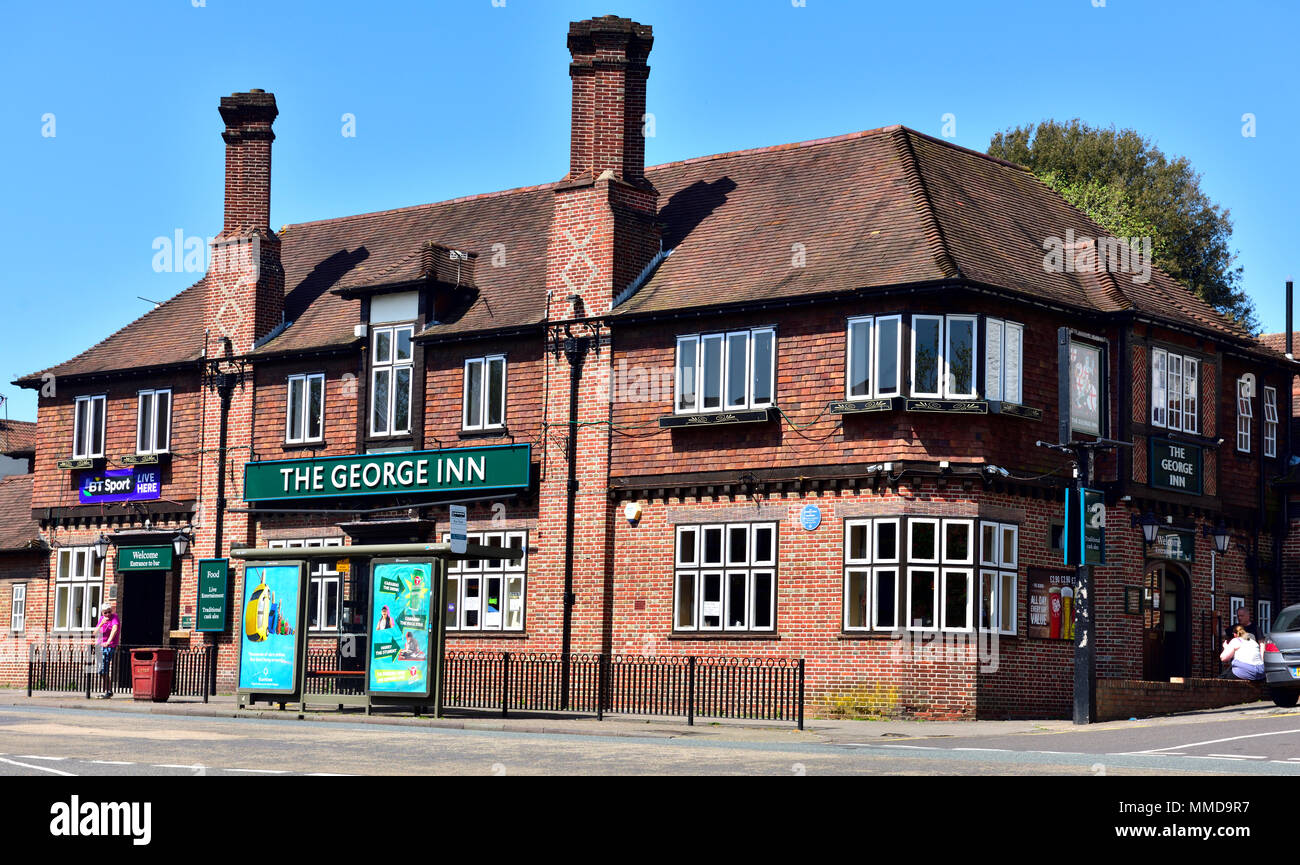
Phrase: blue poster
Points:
(136, 484)
(399, 628)
(268, 645)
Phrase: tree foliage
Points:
(1129, 187)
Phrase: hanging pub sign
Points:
(1085, 388)
(1050, 613)
(1085, 527)
(1176, 466)
(135, 484)
(455, 469)
(1177, 545)
(214, 577)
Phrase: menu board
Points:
(1051, 604)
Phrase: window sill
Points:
(489, 635)
(145, 459)
(717, 418)
(484, 433)
(78, 463)
(723, 635)
(305, 446)
(865, 406)
(1015, 409)
(928, 405)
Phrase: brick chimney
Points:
(609, 75)
(245, 282)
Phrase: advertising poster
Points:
(399, 628)
(268, 644)
(1051, 604)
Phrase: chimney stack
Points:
(609, 75)
(248, 138)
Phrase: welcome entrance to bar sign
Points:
(455, 469)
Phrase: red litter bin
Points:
(151, 673)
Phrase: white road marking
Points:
(37, 757)
(189, 766)
(1063, 753)
(1213, 742)
(113, 762)
(1207, 757)
(328, 775)
(1239, 756)
(1000, 750)
(913, 747)
(259, 771)
(37, 768)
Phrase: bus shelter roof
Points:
(437, 551)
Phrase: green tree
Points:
(1129, 187)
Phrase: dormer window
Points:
(485, 393)
(88, 428)
(392, 359)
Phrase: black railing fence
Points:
(769, 689)
(66, 666)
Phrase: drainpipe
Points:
(575, 349)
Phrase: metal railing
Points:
(325, 677)
(769, 689)
(74, 667)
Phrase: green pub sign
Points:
(1176, 466)
(453, 470)
(214, 579)
(144, 558)
(1085, 527)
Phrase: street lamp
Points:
(1220, 535)
(101, 546)
(181, 544)
(1150, 527)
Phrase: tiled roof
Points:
(17, 437)
(1277, 341)
(18, 531)
(868, 210)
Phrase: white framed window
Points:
(1265, 617)
(1270, 422)
(1004, 343)
(923, 541)
(305, 409)
(958, 548)
(391, 363)
(725, 577)
(325, 589)
(18, 607)
(725, 371)
(1245, 415)
(923, 598)
(873, 357)
(88, 427)
(484, 393)
(488, 594)
(998, 558)
(958, 599)
(943, 356)
(870, 592)
(78, 588)
(1175, 391)
(153, 421)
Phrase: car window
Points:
(1287, 620)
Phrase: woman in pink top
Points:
(108, 633)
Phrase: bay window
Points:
(724, 577)
(153, 422)
(1003, 360)
(873, 357)
(943, 356)
(78, 588)
(1270, 422)
(726, 371)
(392, 359)
(485, 393)
(305, 411)
(1175, 391)
(88, 427)
(998, 559)
(487, 594)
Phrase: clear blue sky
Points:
(137, 152)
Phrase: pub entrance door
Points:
(1167, 646)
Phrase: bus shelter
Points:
(405, 635)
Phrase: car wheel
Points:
(1285, 699)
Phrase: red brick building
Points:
(780, 403)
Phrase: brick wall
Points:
(1120, 699)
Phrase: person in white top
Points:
(1243, 651)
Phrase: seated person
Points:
(1243, 652)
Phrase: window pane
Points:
(961, 356)
(144, 423)
(1191, 417)
(921, 592)
(496, 400)
(993, 329)
(764, 552)
(96, 441)
(383, 346)
(713, 546)
(315, 407)
(859, 543)
(737, 600)
(855, 599)
(925, 353)
(313, 604)
(1158, 383)
(886, 599)
(402, 401)
(453, 597)
(1010, 536)
(163, 426)
(331, 588)
(403, 344)
(886, 356)
(686, 374)
(737, 369)
(685, 617)
(762, 600)
(988, 543)
(80, 428)
(1175, 417)
(1007, 600)
(492, 604)
(886, 540)
(514, 603)
(738, 545)
(1012, 364)
(77, 606)
(763, 346)
(61, 608)
(472, 601)
(686, 546)
(859, 358)
(295, 409)
(474, 394)
(379, 401)
(956, 600)
(711, 364)
(711, 601)
(956, 541)
(988, 600)
(924, 539)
